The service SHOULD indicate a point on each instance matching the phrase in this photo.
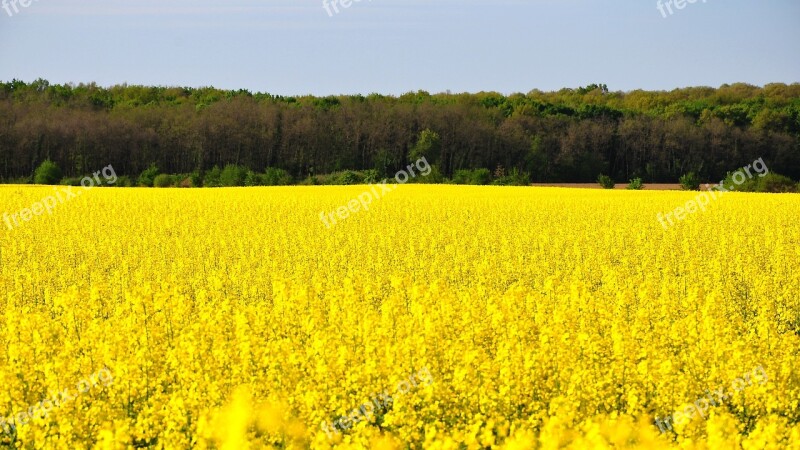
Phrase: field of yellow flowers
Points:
(444, 317)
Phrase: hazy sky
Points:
(396, 46)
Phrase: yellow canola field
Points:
(481, 317)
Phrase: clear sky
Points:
(395, 46)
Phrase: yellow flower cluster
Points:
(547, 318)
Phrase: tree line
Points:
(571, 135)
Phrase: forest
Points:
(567, 136)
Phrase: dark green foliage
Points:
(123, 181)
(195, 178)
(773, 182)
(565, 136)
(232, 175)
(429, 146)
(148, 176)
(349, 177)
(310, 181)
(163, 180)
(19, 180)
(371, 176)
(690, 182)
(71, 181)
(747, 184)
(769, 182)
(272, 177)
(277, 177)
(606, 181)
(384, 163)
(345, 178)
(481, 176)
(473, 177)
(434, 177)
(212, 177)
(253, 179)
(47, 173)
(635, 185)
(513, 178)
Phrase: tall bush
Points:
(148, 176)
(606, 181)
(232, 175)
(690, 182)
(163, 180)
(47, 173)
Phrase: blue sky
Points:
(396, 46)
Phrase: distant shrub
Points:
(71, 181)
(773, 182)
(606, 181)
(747, 184)
(232, 175)
(434, 177)
(253, 179)
(164, 180)
(123, 181)
(197, 178)
(276, 177)
(472, 177)
(371, 176)
(462, 176)
(20, 180)
(272, 177)
(690, 182)
(346, 178)
(513, 178)
(310, 181)
(481, 176)
(47, 173)
(635, 185)
(148, 176)
(211, 177)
